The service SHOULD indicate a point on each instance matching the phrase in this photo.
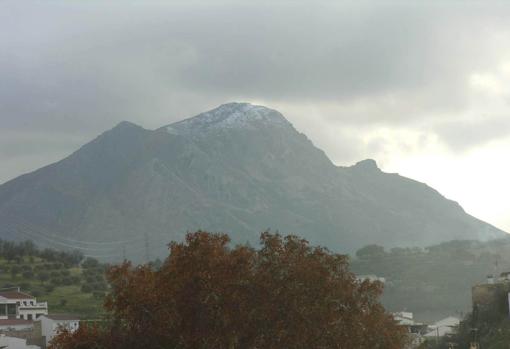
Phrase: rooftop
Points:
(15, 295)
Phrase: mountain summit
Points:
(231, 115)
(240, 169)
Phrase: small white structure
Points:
(19, 305)
(15, 343)
(504, 277)
(404, 318)
(371, 278)
(52, 324)
(443, 327)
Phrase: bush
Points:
(28, 274)
(15, 270)
(99, 286)
(370, 251)
(43, 276)
(56, 281)
(47, 266)
(58, 265)
(98, 294)
(90, 263)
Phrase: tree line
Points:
(207, 294)
(15, 251)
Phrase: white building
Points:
(443, 327)
(371, 278)
(404, 318)
(51, 325)
(19, 305)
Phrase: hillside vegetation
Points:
(431, 282)
(436, 281)
(69, 282)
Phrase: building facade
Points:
(19, 305)
(50, 325)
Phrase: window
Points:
(3, 309)
(22, 316)
(11, 309)
(29, 317)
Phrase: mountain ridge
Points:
(238, 168)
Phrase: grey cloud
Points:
(77, 68)
(461, 135)
(266, 51)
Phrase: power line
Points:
(117, 242)
(107, 249)
(35, 236)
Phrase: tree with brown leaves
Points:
(287, 294)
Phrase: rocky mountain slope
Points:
(239, 169)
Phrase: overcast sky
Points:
(421, 87)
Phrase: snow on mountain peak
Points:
(229, 116)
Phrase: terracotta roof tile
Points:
(16, 295)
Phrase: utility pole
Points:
(147, 256)
(474, 329)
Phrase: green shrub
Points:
(28, 274)
(56, 281)
(98, 294)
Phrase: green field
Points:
(68, 289)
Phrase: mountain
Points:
(240, 169)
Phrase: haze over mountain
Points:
(240, 169)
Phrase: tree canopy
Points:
(206, 294)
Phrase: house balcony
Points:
(34, 306)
